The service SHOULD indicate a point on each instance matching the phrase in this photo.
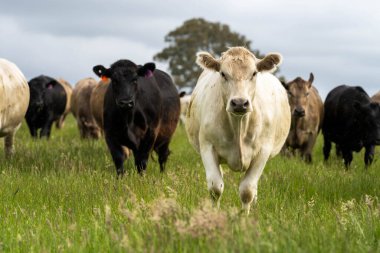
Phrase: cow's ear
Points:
(311, 79)
(362, 108)
(270, 62)
(207, 61)
(51, 84)
(146, 70)
(101, 71)
(286, 85)
(182, 94)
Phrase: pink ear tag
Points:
(148, 73)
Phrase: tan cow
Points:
(307, 116)
(239, 115)
(80, 107)
(69, 90)
(14, 101)
(184, 99)
(97, 101)
(376, 97)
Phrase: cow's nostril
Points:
(239, 105)
(126, 103)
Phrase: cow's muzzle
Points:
(239, 106)
(126, 103)
(299, 112)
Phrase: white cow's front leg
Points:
(248, 185)
(214, 176)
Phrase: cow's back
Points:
(80, 101)
(68, 90)
(170, 103)
(339, 113)
(376, 97)
(14, 94)
(56, 100)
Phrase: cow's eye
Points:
(253, 75)
(290, 94)
(307, 94)
(223, 75)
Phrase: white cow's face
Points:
(238, 69)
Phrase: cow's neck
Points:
(240, 129)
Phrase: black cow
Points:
(47, 104)
(352, 122)
(141, 112)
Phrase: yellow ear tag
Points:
(104, 78)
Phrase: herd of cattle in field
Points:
(239, 114)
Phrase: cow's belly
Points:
(238, 159)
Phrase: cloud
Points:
(336, 40)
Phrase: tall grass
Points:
(63, 195)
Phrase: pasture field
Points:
(62, 195)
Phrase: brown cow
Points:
(69, 90)
(376, 97)
(307, 116)
(80, 107)
(97, 101)
(14, 101)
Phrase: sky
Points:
(338, 41)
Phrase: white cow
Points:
(14, 101)
(239, 114)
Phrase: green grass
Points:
(63, 195)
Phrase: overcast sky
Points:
(339, 41)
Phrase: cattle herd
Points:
(238, 114)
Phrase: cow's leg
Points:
(347, 157)
(141, 160)
(249, 183)
(308, 148)
(338, 151)
(369, 154)
(214, 175)
(33, 130)
(45, 131)
(60, 121)
(118, 156)
(8, 144)
(163, 154)
(142, 154)
(326, 148)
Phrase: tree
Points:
(193, 36)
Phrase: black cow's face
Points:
(124, 77)
(39, 87)
(371, 120)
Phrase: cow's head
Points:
(298, 94)
(124, 77)
(370, 117)
(238, 69)
(38, 87)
